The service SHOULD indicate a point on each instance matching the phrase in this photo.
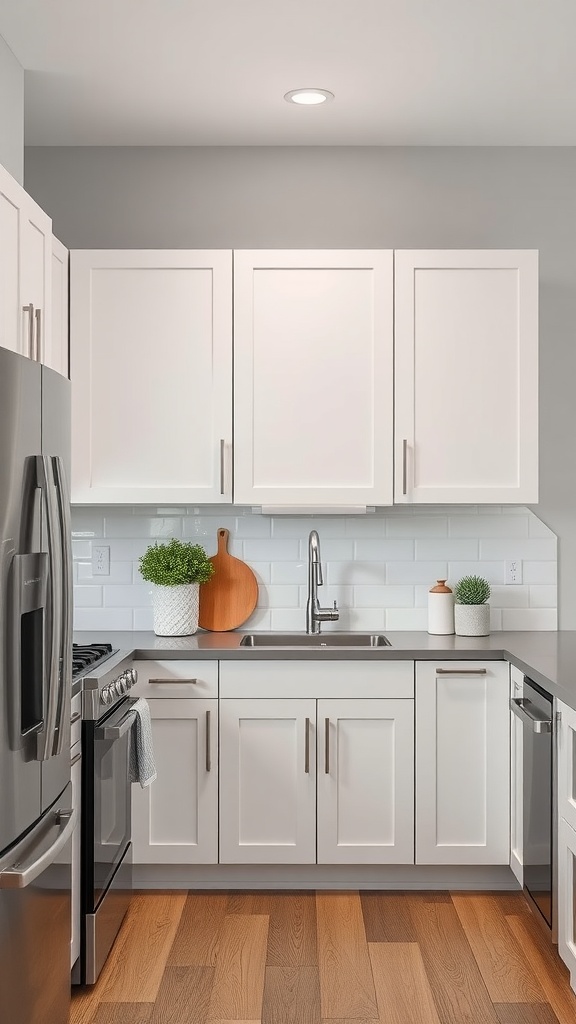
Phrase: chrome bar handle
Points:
(115, 732)
(178, 682)
(404, 465)
(307, 747)
(20, 875)
(537, 720)
(327, 746)
(38, 316)
(208, 758)
(67, 600)
(222, 446)
(45, 477)
(30, 310)
(460, 671)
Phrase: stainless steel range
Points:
(106, 858)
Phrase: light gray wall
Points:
(353, 198)
(11, 112)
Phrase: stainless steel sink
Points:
(314, 640)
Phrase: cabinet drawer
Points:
(317, 679)
(76, 719)
(176, 679)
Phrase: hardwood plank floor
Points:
(329, 958)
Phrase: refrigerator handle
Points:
(45, 478)
(24, 872)
(65, 530)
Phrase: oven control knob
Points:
(118, 687)
(105, 695)
(133, 676)
(125, 680)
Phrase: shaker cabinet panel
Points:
(466, 376)
(462, 763)
(57, 351)
(516, 780)
(313, 377)
(366, 782)
(151, 371)
(175, 818)
(267, 782)
(25, 272)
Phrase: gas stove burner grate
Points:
(84, 655)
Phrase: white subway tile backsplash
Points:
(539, 572)
(271, 550)
(534, 548)
(390, 550)
(412, 526)
(103, 618)
(88, 597)
(379, 568)
(449, 549)
(383, 597)
(416, 572)
(529, 618)
(489, 526)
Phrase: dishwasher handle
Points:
(528, 713)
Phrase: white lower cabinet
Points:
(267, 781)
(175, 819)
(366, 782)
(567, 897)
(317, 778)
(516, 780)
(462, 763)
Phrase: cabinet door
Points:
(516, 781)
(313, 377)
(57, 352)
(567, 764)
(268, 782)
(466, 373)
(151, 371)
(462, 763)
(366, 782)
(25, 271)
(567, 897)
(175, 819)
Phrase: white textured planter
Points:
(472, 619)
(176, 609)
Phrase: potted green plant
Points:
(471, 613)
(176, 569)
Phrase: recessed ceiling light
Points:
(308, 97)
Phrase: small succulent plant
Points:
(170, 565)
(472, 590)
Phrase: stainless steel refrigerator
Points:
(36, 814)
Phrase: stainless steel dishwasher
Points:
(534, 708)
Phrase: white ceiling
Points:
(214, 72)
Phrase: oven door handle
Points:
(537, 720)
(114, 732)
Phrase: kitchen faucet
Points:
(315, 615)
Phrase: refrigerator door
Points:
(21, 616)
(35, 921)
(54, 742)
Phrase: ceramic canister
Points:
(440, 609)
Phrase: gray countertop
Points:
(547, 657)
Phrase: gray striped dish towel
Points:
(142, 763)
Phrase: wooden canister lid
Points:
(440, 588)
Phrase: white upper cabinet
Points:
(313, 377)
(466, 376)
(151, 371)
(25, 272)
(57, 351)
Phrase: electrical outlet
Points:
(514, 571)
(101, 560)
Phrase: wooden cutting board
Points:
(230, 597)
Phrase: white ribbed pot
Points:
(176, 609)
(472, 619)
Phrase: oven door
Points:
(112, 795)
